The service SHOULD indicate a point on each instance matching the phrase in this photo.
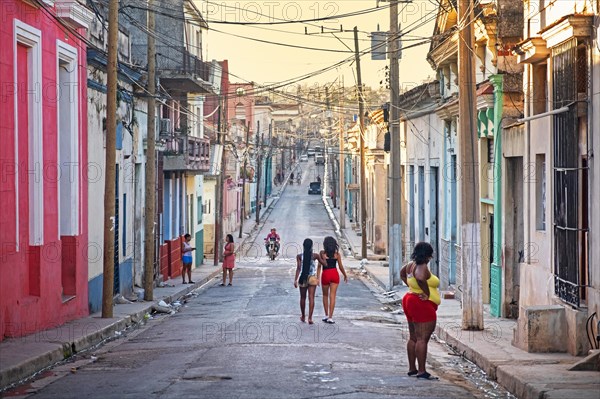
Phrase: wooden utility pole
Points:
(472, 303)
(341, 174)
(363, 180)
(149, 229)
(110, 164)
(258, 170)
(395, 173)
(329, 123)
(243, 203)
(219, 186)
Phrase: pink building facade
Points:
(43, 165)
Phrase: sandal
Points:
(427, 376)
(330, 321)
(310, 321)
(222, 285)
(302, 319)
(412, 372)
(325, 319)
(229, 284)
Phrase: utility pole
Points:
(472, 303)
(111, 170)
(258, 170)
(243, 204)
(269, 164)
(363, 180)
(220, 186)
(149, 243)
(333, 184)
(341, 175)
(395, 192)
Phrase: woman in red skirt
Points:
(330, 278)
(228, 259)
(420, 307)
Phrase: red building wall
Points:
(43, 284)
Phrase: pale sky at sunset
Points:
(268, 63)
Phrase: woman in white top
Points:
(186, 259)
(308, 274)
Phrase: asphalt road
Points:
(246, 341)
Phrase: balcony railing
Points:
(180, 60)
(187, 154)
(173, 62)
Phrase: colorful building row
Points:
(537, 76)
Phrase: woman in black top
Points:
(330, 278)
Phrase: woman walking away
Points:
(307, 278)
(228, 259)
(330, 279)
(420, 306)
(186, 259)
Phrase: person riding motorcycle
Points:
(272, 236)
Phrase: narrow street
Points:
(246, 341)
(144, 143)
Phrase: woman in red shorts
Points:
(330, 278)
(420, 306)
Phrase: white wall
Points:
(425, 136)
(96, 176)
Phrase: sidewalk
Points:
(350, 239)
(526, 375)
(22, 357)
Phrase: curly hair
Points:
(330, 246)
(422, 252)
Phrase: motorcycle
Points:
(272, 249)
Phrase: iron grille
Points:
(172, 59)
(566, 173)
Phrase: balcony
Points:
(187, 154)
(178, 69)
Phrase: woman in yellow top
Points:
(420, 306)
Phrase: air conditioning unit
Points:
(165, 127)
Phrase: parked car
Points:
(314, 187)
(311, 152)
(303, 158)
(319, 159)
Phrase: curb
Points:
(32, 366)
(341, 234)
(497, 371)
(69, 348)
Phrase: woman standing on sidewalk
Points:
(228, 259)
(420, 306)
(307, 278)
(186, 259)
(330, 279)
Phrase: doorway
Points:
(433, 220)
(514, 241)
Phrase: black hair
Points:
(187, 236)
(330, 246)
(306, 260)
(229, 238)
(422, 252)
